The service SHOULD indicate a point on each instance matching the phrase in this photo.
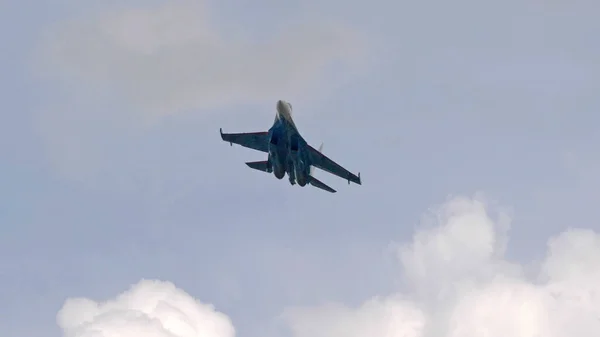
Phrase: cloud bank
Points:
(459, 284)
(147, 309)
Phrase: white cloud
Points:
(147, 309)
(171, 57)
(461, 285)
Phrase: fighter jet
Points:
(288, 152)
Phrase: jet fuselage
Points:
(287, 148)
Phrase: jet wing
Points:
(321, 161)
(253, 140)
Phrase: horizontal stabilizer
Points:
(260, 165)
(317, 183)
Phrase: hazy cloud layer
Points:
(128, 65)
(147, 309)
(460, 285)
(172, 57)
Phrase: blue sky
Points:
(113, 170)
